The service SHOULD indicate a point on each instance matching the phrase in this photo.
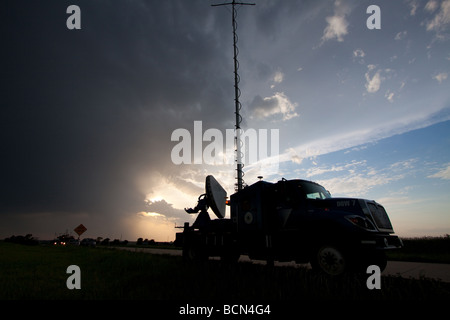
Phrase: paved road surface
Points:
(405, 269)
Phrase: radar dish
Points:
(216, 195)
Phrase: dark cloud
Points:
(86, 112)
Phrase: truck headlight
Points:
(361, 222)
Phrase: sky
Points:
(88, 115)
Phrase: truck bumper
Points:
(381, 242)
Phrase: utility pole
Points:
(237, 93)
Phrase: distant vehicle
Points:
(58, 242)
(291, 220)
(64, 240)
(88, 242)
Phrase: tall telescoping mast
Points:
(237, 93)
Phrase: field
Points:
(39, 272)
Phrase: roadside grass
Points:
(39, 272)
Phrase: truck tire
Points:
(230, 257)
(377, 258)
(191, 252)
(330, 260)
(380, 259)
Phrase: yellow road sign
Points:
(80, 229)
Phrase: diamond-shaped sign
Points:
(80, 229)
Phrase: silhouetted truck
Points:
(291, 220)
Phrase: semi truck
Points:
(290, 220)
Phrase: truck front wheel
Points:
(377, 258)
(330, 260)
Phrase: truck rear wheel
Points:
(230, 257)
(330, 260)
(192, 252)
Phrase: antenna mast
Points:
(237, 93)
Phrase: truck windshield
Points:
(314, 190)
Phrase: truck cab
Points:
(298, 220)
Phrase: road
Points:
(417, 270)
(414, 270)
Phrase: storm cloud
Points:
(86, 113)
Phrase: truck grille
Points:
(380, 217)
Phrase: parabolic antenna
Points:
(216, 195)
